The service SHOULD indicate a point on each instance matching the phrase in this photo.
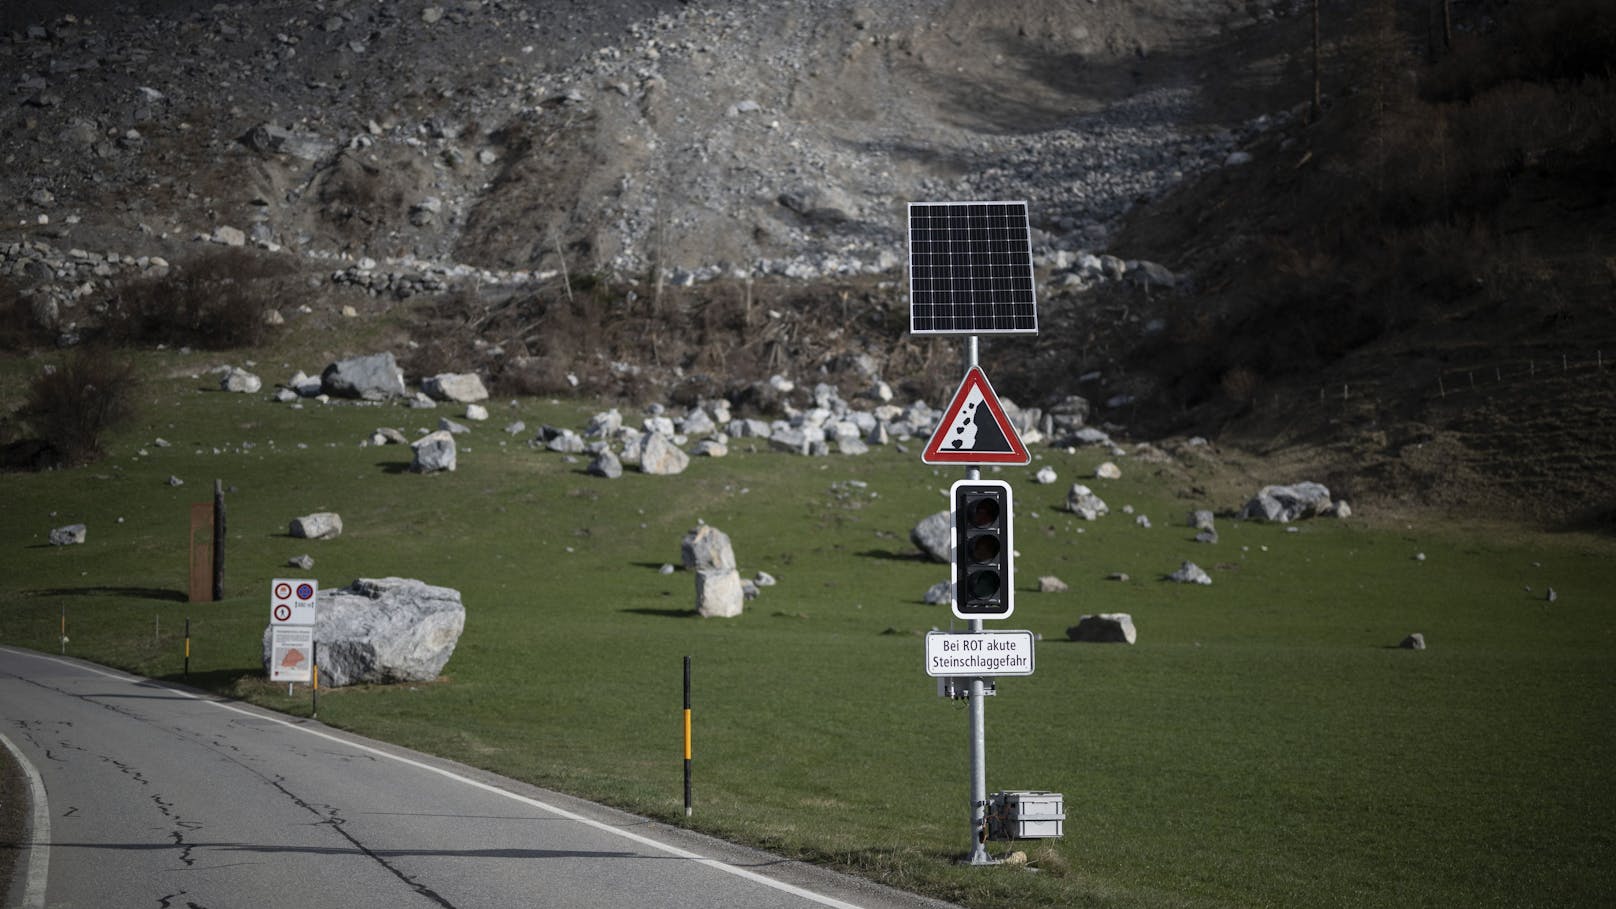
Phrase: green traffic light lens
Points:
(982, 512)
(983, 584)
(984, 548)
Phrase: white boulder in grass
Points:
(1288, 503)
(321, 525)
(70, 535)
(240, 380)
(706, 550)
(459, 387)
(1105, 628)
(660, 457)
(1082, 501)
(1190, 573)
(433, 452)
(933, 535)
(382, 630)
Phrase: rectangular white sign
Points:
(291, 653)
(967, 655)
(291, 601)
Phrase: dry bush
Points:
(20, 329)
(73, 406)
(216, 302)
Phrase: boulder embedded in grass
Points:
(372, 378)
(376, 631)
(932, 535)
(1106, 628)
(433, 452)
(461, 388)
(321, 525)
(70, 535)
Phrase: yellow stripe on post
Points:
(687, 733)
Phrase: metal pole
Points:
(218, 541)
(187, 648)
(315, 667)
(978, 712)
(687, 737)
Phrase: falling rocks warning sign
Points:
(974, 428)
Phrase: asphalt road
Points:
(162, 796)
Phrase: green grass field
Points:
(1264, 743)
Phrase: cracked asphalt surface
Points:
(164, 797)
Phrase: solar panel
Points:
(970, 269)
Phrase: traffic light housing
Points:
(980, 578)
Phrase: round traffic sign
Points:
(305, 591)
(283, 612)
(283, 591)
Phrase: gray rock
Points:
(604, 424)
(939, 594)
(459, 387)
(1415, 641)
(1108, 471)
(452, 428)
(852, 446)
(764, 579)
(1052, 584)
(1190, 573)
(1202, 520)
(1105, 628)
(605, 465)
(719, 594)
(175, 481)
(706, 548)
(933, 535)
(304, 562)
(321, 525)
(515, 428)
(1206, 536)
(433, 452)
(229, 236)
(373, 378)
(660, 457)
(567, 442)
(476, 413)
(378, 631)
(711, 448)
(1287, 503)
(240, 380)
(1045, 475)
(70, 535)
(1081, 501)
(392, 436)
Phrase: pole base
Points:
(980, 857)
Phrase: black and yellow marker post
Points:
(187, 648)
(687, 737)
(315, 676)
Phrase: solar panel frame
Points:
(970, 269)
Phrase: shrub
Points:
(73, 406)
(20, 328)
(216, 302)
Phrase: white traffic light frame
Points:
(1007, 544)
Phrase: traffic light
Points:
(981, 581)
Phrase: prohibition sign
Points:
(283, 611)
(283, 591)
(305, 592)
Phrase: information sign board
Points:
(291, 653)
(978, 654)
(291, 601)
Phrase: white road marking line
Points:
(38, 832)
(449, 774)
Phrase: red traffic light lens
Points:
(982, 512)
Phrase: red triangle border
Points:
(934, 452)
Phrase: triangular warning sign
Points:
(974, 429)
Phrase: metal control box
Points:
(1026, 814)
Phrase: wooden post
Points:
(218, 541)
(201, 550)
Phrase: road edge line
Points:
(38, 841)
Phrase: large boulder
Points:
(433, 452)
(1081, 501)
(373, 378)
(707, 548)
(1105, 628)
(661, 457)
(1288, 503)
(376, 631)
(70, 535)
(934, 535)
(322, 525)
(461, 387)
(719, 594)
(240, 380)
